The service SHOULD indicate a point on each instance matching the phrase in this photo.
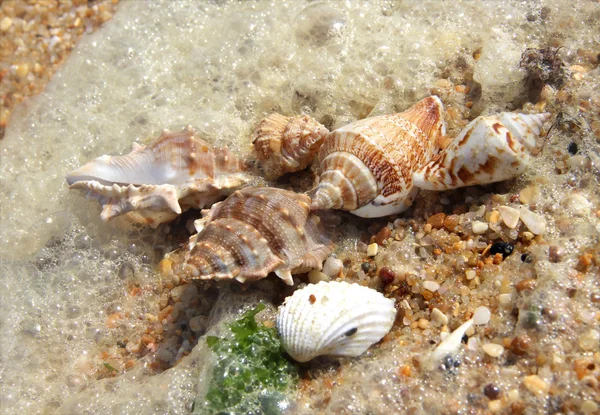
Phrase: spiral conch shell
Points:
(253, 232)
(487, 150)
(153, 184)
(366, 167)
(333, 318)
(287, 144)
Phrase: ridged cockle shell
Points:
(155, 183)
(487, 150)
(253, 232)
(366, 167)
(333, 318)
(287, 144)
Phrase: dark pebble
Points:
(572, 148)
(491, 391)
(595, 297)
(365, 267)
(526, 258)
(520, 344)
(503, 248)
(386, 275)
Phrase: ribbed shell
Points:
(253, 232)
(333, 318)
(366, 167)
(489, 149)
(287, 144)
(157, 182)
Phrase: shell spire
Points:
(254, 232)
(155, 183)
(287, 144)
(489, 149)
(366, 167)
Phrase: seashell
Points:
(333, 318)
(366, 167)
(253, 232)
(153, 184)
(487, 150)
(287, 144)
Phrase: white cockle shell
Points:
(333, 318)
(489, 149)
(155, 183)
(366, 167)
(255, 231)
(287, 144)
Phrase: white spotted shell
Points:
(333, 318)
(155, 183)
(489, 149)
(287, 144)
(253, 232)
(366, 167)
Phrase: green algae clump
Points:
(251, 374)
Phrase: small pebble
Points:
(423, 323)
(534, 222)
(577, 162)
(505, 299)
(510, 216)
(589, 340)
(431, 286)
(372, 249)
(5, 24)
(332, 267)
(437, 221)
(555, 254)
(479, 227)
(529, 194)
(526, 258)
(589, 407)
(491, 391)
(520, 344)
(536, 385)
(315, 276)
(576, 204)
(383, 235)
(504, 248)
(386, 275)
(493, 349)
(438, 317)
(572, 148)
(470, 274)
(481, 315)
(198, 324)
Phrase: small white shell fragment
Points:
(438, 317)
(333, 318)
(510, 216)
(332, 267)
(534, 222)
(372, 249)
(479, 227)
(481, 316)
(451, 343)
(431, 286)
(316, 276)
(493, 349)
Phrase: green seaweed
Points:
(251, 374)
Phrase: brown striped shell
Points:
(489, 149)
(287, 144)
(153, 184)
(366, 167)
(253, 232)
